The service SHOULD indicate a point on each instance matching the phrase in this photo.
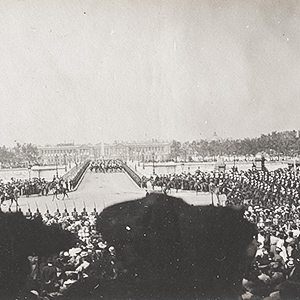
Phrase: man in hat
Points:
(49, 276)
(84, 262)
(278, 258)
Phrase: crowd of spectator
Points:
(272, 201)
(91, 256)
(278, 257)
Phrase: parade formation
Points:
(104, 166)
(16, 188)
(270, 200)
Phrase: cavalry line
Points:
(100, 190)
(96, 189)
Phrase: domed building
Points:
(214, 138)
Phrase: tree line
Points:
(21, 155)
(277, 145)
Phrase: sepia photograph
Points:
(150, 149)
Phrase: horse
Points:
(57, 189)
(144, 181)
(166, 187)
(27, 189)
(11, 195)
(157, 182)
(60, 190)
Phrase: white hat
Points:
(89, 246)
(34, 293)
(102, 245)
(83, 254)
(74, 251)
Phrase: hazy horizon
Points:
(74, 70)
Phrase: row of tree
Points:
(21, 155)
(276, 145)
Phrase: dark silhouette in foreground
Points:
(20, 238)
(167, 249)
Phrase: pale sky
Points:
(142, 69)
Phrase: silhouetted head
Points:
(171, 249)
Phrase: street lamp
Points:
(29, 171)
(65, 160)
(234, 161)
(153, 154)
(56, 165)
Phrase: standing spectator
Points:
(49, 276)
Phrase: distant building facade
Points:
(136, 151)
(63, 154)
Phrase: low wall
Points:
(133, 175)
(76, 174)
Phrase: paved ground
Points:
(96, 189)
(101, 190)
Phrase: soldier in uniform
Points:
(71, 184)
(65, 213)
(84, 213)
(57, 213)
(94, 212)
(2, 197)
(64, 191)
(75, 213)
(37, 214)
(197, 186)
(47, 214)
(27, 188)
(177, 183)
(28, 214)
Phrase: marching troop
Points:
(241, 187)
(106, 165)
(16, 188)
(272, 201)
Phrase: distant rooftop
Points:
(65, 144)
